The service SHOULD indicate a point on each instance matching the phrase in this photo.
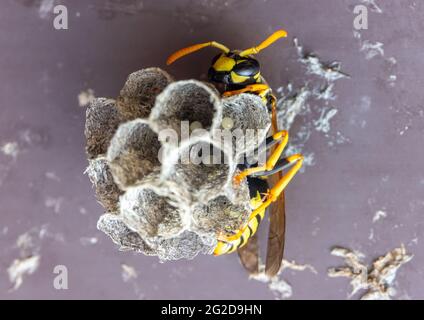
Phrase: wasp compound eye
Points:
(247, 68)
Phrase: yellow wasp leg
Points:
(270, 40)
(270, 164)
(297, 159)
(272, 195)
(249, 88)
(185, 51)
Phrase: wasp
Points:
(239, 72)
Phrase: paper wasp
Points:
(239, 72)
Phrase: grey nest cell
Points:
(203, 169)
(186, 102)
(163, 199)
(247, 119)
(133, 152)
(139, 93)
(151, 214)
(102, 120)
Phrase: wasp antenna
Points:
(266, 43)
(186, 51)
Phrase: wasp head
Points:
(232, 69)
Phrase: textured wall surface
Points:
(362, 187)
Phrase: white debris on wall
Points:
(377, 280)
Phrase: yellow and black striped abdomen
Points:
(247, 231)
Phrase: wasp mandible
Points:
(239, 72)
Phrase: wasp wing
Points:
(276, 236)
(277, 218)
(249, 256)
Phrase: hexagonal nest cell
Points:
(163, 199)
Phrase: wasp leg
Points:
(279, 166)
(258, 87)
(272, 195)
(297, 162)
(282, 137)
(269, 143)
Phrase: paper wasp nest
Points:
(155, 202)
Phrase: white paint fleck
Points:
(21, 268)
(54, 203)
(365, 104)
(29, 245)
(291, 107)
(323, 123)
(88, 241)
(11, 149)
(385, 179)
(325, 93)
(372, 5)
(378, 280)
(278, 286)
(86, 97)
(371, 236)
(308, 159)
(52, 176)
(292, 265)
(372, 50)
(282, 288)
(404, 130)
(392, 60)
(414, 241)
(380, 214)
(46, 7)
(357, 34)
(29, 242)
(25, 241)
(45, 233)
(338, 139)
(330, 72)
(297, 107)
(392, 78)
(128, 273)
